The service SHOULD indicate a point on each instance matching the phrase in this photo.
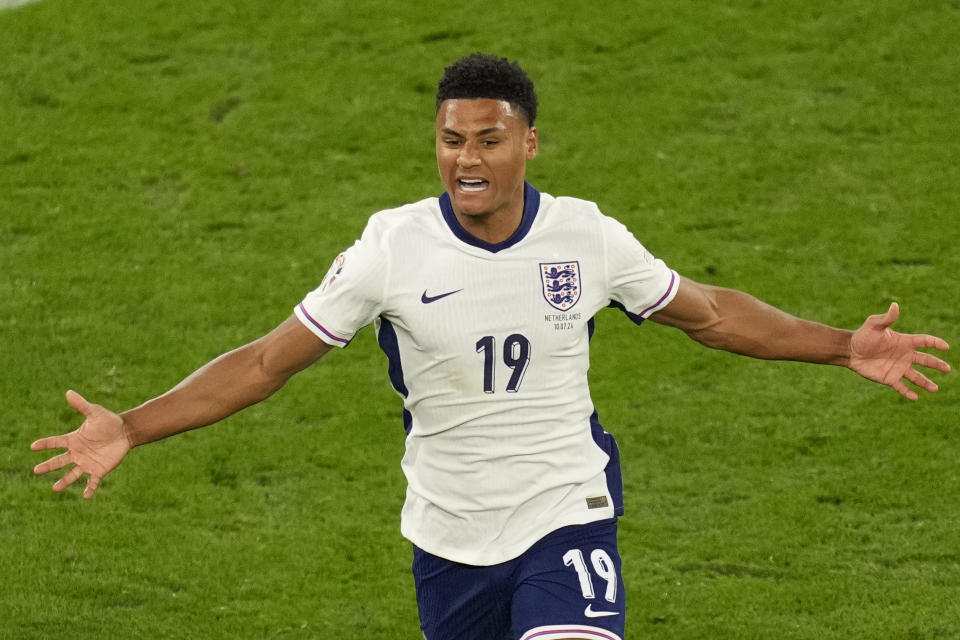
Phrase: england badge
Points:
(561, 283)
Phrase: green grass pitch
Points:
(175, 175)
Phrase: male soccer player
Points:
(483, 301)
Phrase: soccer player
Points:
(483, 301)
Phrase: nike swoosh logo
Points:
(590, 613)
(425, 299)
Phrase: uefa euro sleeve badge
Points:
(333, 272)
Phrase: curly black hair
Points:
(479, 75)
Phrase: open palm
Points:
(95, 448)
(888, 357)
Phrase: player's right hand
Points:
(95, 448)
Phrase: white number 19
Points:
(602, 564)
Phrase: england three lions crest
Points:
(561, 283)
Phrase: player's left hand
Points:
(885, 356)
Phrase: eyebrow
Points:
(482, 132)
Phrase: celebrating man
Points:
(483, 301)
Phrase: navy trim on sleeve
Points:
(616, 305)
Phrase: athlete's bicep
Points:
(289, 348)
(693, 307)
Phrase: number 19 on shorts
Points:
(602, 566)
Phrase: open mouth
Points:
(472, 184)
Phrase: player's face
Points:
(482, 150)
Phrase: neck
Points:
(488, 228)
(494, 226)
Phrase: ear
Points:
(532, 143)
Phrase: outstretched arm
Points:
(220, 388)
(737, 322)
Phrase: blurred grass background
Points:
(174, 176)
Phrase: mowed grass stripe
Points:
(14, 4)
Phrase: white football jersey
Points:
(488, 344)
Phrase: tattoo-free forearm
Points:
(742, 324)
(219, 389)
(227, 384)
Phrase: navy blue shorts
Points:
(567, 585)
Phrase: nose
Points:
(468, 157)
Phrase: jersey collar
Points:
(531, 204)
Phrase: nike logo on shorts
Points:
(425, 299)
(590, 613)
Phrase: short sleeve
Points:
(639, 284)
(351, 293)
